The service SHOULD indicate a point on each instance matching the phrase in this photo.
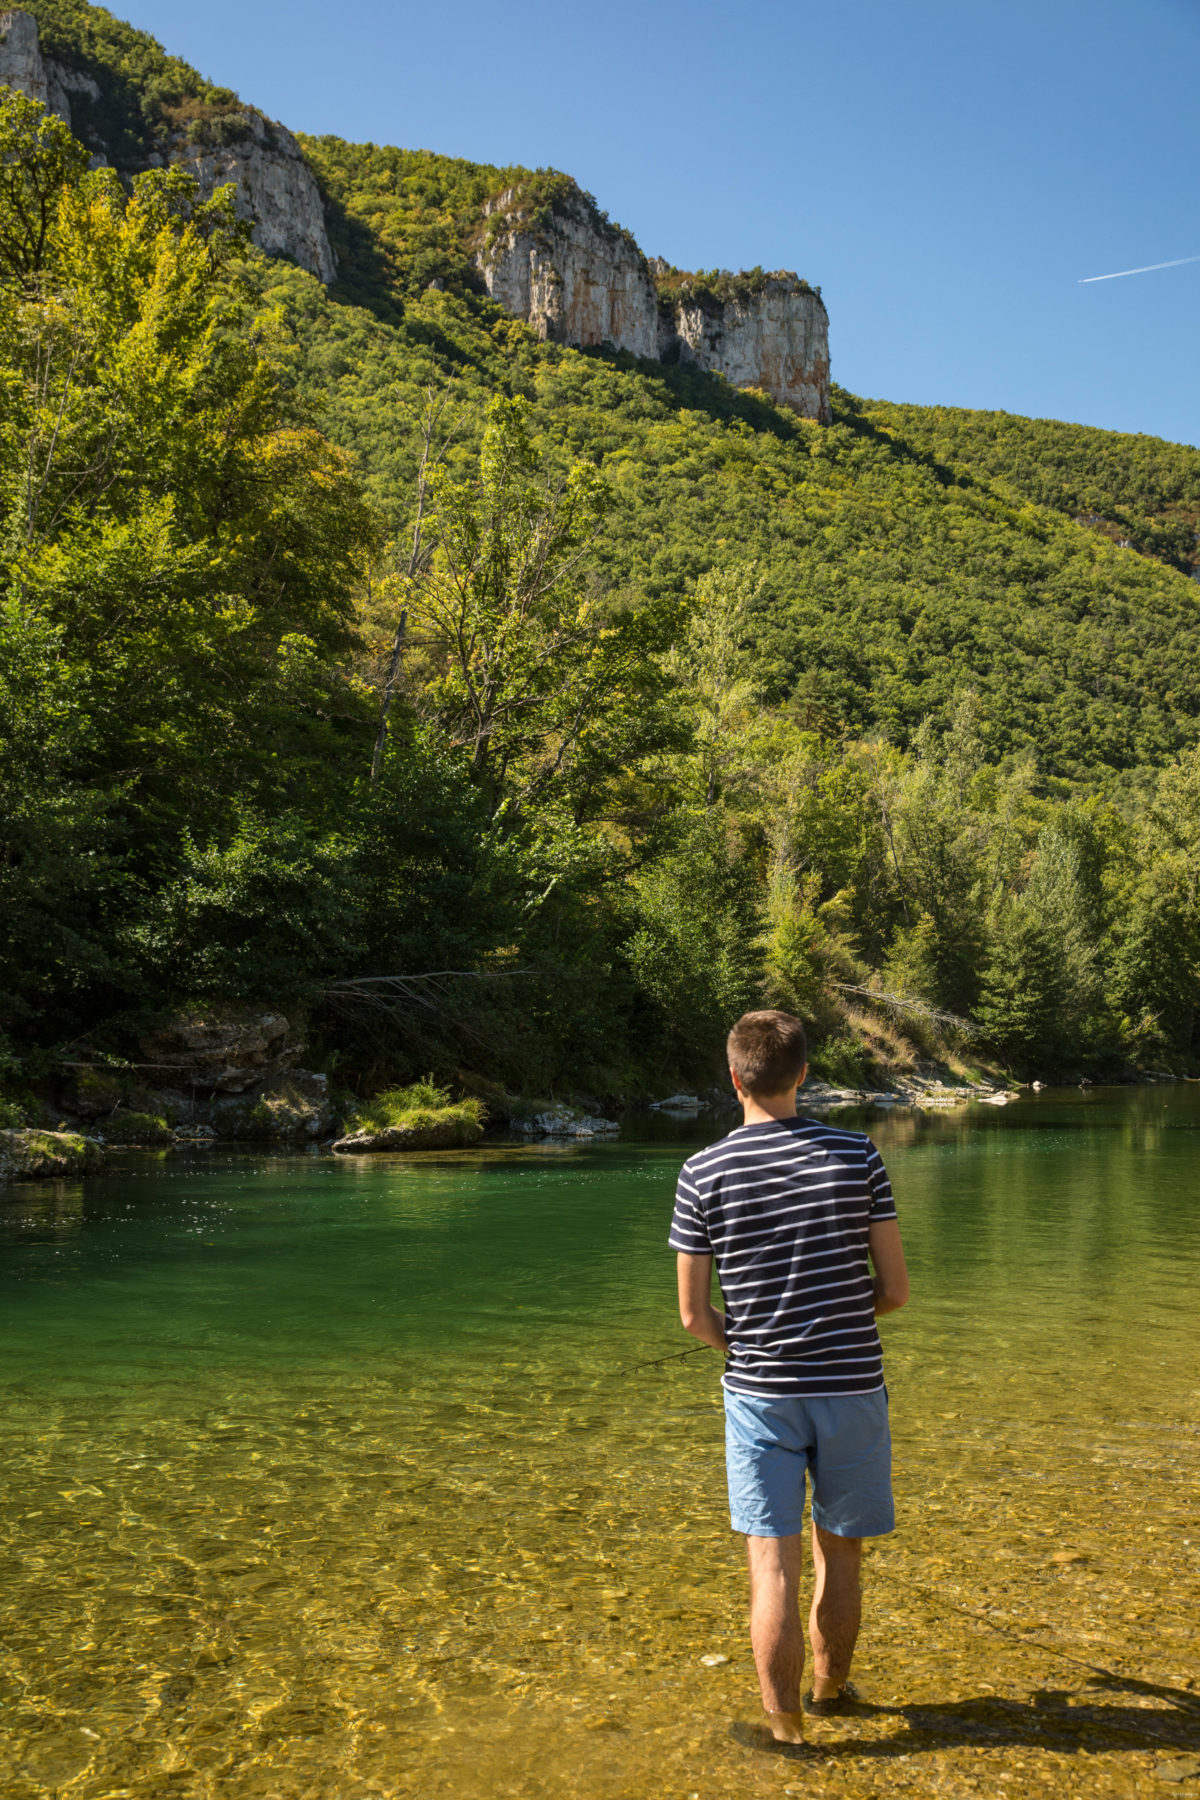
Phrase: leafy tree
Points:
(530, 658)
(696, 951)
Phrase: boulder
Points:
(40, 1155)
(221, 1049)
(293, 1105)
(677, 1103)
(565, 1121)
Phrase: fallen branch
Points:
(901, 1004)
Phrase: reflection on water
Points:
(323, 1478)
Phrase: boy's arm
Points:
(887, 1259)
(696, 1310)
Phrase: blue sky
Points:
(947, 170)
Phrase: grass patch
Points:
(136, 1128)
(419, 1107)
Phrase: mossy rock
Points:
(137, 1128)
(430, 1133)
(37, 1155)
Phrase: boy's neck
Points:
(763, 1109)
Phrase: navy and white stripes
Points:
(784, 1209)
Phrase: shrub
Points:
(137, 1128)
(418, 1107)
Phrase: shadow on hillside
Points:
(847, 411)
(689, 389)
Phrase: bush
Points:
(137, 1128)
(418, 1107)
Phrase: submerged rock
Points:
(37, 1155)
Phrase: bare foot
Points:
(786, 1727)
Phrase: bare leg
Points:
(775, 1634)
(836, 1609)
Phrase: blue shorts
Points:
(841, 1440)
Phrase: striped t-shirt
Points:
(783, 1208)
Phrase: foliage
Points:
(700, 704)
(136, 1128)
(720, 287)
(417, 1107)
(1133, 489)
(144, 92)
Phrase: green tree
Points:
(534, 664)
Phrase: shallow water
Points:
(323, 1478)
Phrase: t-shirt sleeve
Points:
(689, 1231)
(883, 1204)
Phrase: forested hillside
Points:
(694, 704)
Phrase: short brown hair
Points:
(767, 1052)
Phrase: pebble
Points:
(1181, 1770)
(712, 1662)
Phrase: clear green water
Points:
(322, 1478)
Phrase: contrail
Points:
(1179, 260)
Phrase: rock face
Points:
(23, 66)
(275, 187)
(561, 266)
(221, 1051)
(569, 273)
(774, 336)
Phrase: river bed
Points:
(329, 1478)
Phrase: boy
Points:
(791, 1210)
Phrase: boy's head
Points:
(767, 1053)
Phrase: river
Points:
(328, 1478)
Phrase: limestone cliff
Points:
(275, 187)
(23, 66)
(762, 331)
(549, 256)
(559, 264)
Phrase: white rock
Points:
(275, 187)
(777, 339)
(713, 1662)
(576, 279)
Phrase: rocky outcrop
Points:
(564, 1121)
(44, 1155)
(550, 257)
(23, 66)
(570, 274)
(222, 1050)
(275, 187)
(288, 1107)
(770, 333)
